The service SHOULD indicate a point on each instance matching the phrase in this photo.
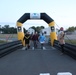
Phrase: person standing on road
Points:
(27, 40)
(61, 39)
(42, 40)
(35, 40)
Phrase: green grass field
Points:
(15, 36)
(5, 36)
(8, 35)
(1, 41)
(71, 41)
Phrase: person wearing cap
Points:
(61, 39)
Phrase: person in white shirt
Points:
(61, 39)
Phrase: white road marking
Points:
(64, 73)
(44, 74)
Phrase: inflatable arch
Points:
(43, 16)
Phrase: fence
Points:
(69, 49)
(9, 47)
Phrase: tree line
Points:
(37, 29)
(71, 29)
(6, 29)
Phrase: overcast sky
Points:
(63, 12)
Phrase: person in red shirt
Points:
(35, 40)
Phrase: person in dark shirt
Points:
(35, 40)
(27, 40)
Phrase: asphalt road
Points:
(36, 62)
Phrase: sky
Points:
(63, 12)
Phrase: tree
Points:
(42, 27)
(71, 29)
(6, 26)
(75, 28)
(38, 28)
(33, 27)
(8, 30)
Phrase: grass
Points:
(5, 36)
(15, 36)
(1, 41)
(8, 35)
(71, 41)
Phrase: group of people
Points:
(35, 39)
